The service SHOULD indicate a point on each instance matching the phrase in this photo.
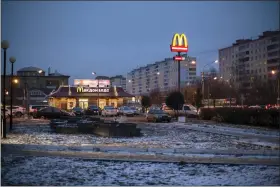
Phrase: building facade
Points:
(250, 60)
(161, 75)
(118, 81)
(33, 85)
(67, 97)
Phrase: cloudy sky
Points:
(111, 38)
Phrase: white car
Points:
(17, 111)
(7, 113)
(109, 111)
(126, 111)
(190, 110)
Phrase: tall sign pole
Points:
(180, 45)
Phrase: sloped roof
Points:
(30, 68)
(18, 92)
(56, 74)
(65, 91)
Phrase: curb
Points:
(149, 158)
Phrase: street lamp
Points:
(12, 60)
(4, 46)
(158, 73)
(15, 81)
(203, 81)
(94, 73)
(273, 72)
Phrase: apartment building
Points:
(36, 81)
(249, 60)
(162, 75)
(118, 81)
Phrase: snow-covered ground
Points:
(155, 135)
(65, 171)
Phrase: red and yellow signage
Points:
(179, 58)
(179, 43)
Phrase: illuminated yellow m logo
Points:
(180, 40)
(80, 89)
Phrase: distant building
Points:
(249, 60)
(162, 75)
(118, 81)
(34, 81)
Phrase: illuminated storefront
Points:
(67, 97)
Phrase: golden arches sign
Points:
(80, 89)
(179, 43)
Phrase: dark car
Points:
(93, 110)
(158, 116)
(78, 111)
(51, 113)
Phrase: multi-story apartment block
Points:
(36, 81)
(118, 81)
(250, 60)
(161, 75)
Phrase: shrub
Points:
(145, 102)
(250, 116)
(175, 100)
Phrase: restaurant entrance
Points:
(83, 103)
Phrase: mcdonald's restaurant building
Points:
(67, 97)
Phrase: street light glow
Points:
(40, 71)
(273, 72)
(158, 73)
(193, 62)
(16, 81)
(216, 61)
(129, 80)
(215, 78)
(93, 73)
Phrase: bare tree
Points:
(156, 97)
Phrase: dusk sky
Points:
(112, 38)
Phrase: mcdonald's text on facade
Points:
(92, 90)
(179, 43)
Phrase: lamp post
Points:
(94, 73)
(4, 46)
(273, 72)
(12, 60)
(203, 78)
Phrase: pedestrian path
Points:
(147, 154)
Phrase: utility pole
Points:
(179, 73)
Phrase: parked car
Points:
(51, 113)
(93, 110)
(109, 111)
(126, 111)
(158, 116)
(35, 108)
(255, 106)
(78, 111)
(7, 113)
(17, 111)
(135, 110)
(189, 111)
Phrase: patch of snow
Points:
(155, 136)
(56, 171)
